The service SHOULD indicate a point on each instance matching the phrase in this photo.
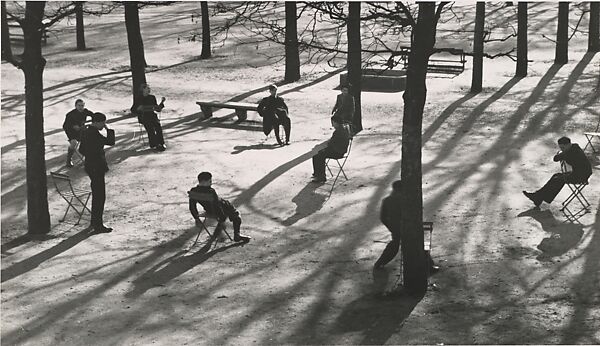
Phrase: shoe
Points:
(240, 237)
(318, 180)
(103, 229)
(287, 142)
(434, 269)
(69, 164)
(161, 147)
(532, 197)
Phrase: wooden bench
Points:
(241, 108)
(452, 62)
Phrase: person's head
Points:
(145, 89)
(564, 143)
(273, 89)
(205, 179)
(397, 186)
(79, 105)
(98, 120)
(346, 89)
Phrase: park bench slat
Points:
(240, 108)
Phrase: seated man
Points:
(582, 170)
(221, 208)
(274, 111)
(73, 126)
(335, 149)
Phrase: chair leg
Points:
(69, 205)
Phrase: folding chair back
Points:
(205, 216)
(576, 194)
(590, 136)
(76, 199)
(340, 166)
(77, 157)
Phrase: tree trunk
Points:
(136, 46)
(33, 65)
(522, 39)
(355, 62)
(562, 34)
(206, 53)
(594, 36)
(79, 25)
(477, 79)
(292, 55)
(411, 219)
(6, 48)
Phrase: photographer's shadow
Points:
(564, 236)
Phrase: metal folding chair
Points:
(590, 136)
(77, 157)
(205, 217)
(76, 199)
(340, 166)
(576, 194)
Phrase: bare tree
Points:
(594, 35)
(355, 61)
(6, 46)
(136, 46)
(206, 49)
(79, 25)
(562, 34)
(477, 79)
(292, 55)
(522, 39)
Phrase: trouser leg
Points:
(549, 191)
(287, 127)
(97, 185)
(158, 132)
(233, 214)
(319, 164)
(388, 254)
(276, 130)
(150, 131)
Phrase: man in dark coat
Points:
(73, 125)
(219, 207)
(145, 106)
(335, 149)
(344, 106)
(571, 154)
(274, 111)
(92, 148)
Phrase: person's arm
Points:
(383, 215)
(560, 156)
(159, 107)
(261, 107)
(351, 107)
(335, 106)
(110, 136)
(218, 209)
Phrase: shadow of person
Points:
(375, 316)
(563, 235)
(261, 146)
(174, 266)
(307, 201)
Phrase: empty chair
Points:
(77, 199)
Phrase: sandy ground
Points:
(510, 274)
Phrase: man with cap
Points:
(92, 148)
(274, 111)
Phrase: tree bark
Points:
(594, 36)
(562, 34)
(411, 217)
(355, 62)
(79, 25)
(136, 46)
(477, 78)
(6, 47)
(33, 65)
(292, 55)
(206, 53)
(522, 39)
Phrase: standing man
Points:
(73, 125)
(344, 106)
(92, 148)
(572, 154)
(274, 111)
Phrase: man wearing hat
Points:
(274, 111)
(92, 148)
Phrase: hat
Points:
(98, 117)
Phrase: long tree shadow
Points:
(563, 236)
(33, 262)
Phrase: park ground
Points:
(510, 274)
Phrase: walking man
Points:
(73, 125)
(92, 148)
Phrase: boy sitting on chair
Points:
(336, 147)
(220, 208)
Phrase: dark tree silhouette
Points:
(79, 25)
(206, 53)
(477, 79)
(422, 42)
(292, 55)
(136, 46)
(6, 47)
(594, 35)
(562, 34)
(355, 61)
(522, 39)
